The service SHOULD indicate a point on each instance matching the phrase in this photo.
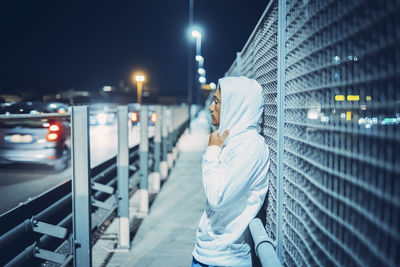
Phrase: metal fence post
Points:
(280, 123)
(156, 176)
(81, 188)
(175, 124)
(164, 139)
(238, 63)
(123, 178)
(170, 159)
(144, 161)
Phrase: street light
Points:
(199, 58)
(201, 71)
(139, 79)
(196, 34)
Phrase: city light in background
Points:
(139, 78)
(107, 88)
(197, 34)
(199, 58)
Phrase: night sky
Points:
(50, 46)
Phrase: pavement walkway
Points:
(166, 236)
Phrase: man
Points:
(234, 169)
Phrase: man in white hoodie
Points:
(234, 169)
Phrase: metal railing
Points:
(59, 225)
(330, 74)
(264, 246)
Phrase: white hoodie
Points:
(234, 177)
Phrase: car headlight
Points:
(102, 118)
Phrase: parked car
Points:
(43, 141)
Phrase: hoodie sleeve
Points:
(229, 179)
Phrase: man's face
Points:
(215, 108)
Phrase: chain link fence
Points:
(333, 128)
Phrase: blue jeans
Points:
(195, 263)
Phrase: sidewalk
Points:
(166, 236)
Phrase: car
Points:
(32, 140)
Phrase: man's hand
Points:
(215, 140)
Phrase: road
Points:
(19, 182)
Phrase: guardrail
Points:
(264, 246)
(59, 225)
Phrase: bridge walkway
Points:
(166, 236)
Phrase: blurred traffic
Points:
(35, 153)
(102, 114)
(134, 116)
(47, 141)
(44, 140)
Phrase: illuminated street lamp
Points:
(201, 71)
(199, 58)
(196, 34)
(139, 79)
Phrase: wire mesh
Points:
(341, 143)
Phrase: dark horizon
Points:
(49, 47)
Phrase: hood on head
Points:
(242, 103)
